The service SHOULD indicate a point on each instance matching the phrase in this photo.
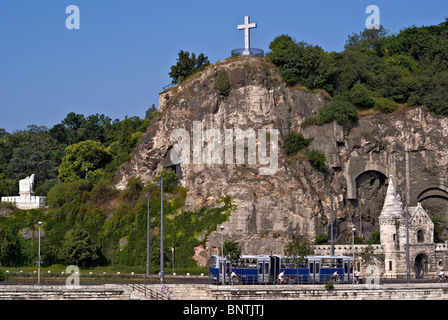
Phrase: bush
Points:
(187, 66)
(170, 180)
(359, 96)
(294, 142)
(300, 62)
(223, 83)
(340, 110)
(64, 193)
(317, 160)
(321, 239)
(329, 286)
(385, 105)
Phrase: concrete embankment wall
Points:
(214, 292)
(60, 292)
(306, 292)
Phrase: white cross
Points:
(246, 27)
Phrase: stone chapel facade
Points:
(425, 256)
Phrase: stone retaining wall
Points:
(217, 292)
(306, 292)
(50, 292)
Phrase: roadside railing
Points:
(101, 278)
(95, 278)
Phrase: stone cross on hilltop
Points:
(246, 27)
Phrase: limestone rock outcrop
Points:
(410, 144)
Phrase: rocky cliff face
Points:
(412, 145)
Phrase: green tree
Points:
(302, 63)
(342, 111)
(31, 151)
(294, 142)
(10, 248)
(316, 159)
(438, 229)
(86, 155)
(151, 113)
(321, 239)
(232, 250)
(223, 83)
(298, 248)
(170, 179)
(79, 247)
(368, 254)
(187, 66)
(369, 39)
(385, 105)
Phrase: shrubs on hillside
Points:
(410, 67)
(385, 105)
(294, 142)
(342, 111)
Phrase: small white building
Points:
(425, 256)
(27, 200)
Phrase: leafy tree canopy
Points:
(187, 66)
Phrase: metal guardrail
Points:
(167, 87)
(252, 52)
(59, 278)
(148, 292)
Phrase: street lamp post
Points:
(162, 268)
(353, 248)
(38, 255)
(408, 269)
(172, 257)
(147, 237)
(331, 225)
(222, 257)
(408, 273)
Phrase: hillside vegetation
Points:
(375, 70)
(89, 222)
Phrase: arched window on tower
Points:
(390, 265)
(420, 236)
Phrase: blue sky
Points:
(119, 59)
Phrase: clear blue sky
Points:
(119, 59)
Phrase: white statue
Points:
(26, 185)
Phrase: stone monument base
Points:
(26, 201)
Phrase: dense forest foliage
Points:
(375, 70)
(89, 222)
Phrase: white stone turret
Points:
(393, 207)
(392, 230)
